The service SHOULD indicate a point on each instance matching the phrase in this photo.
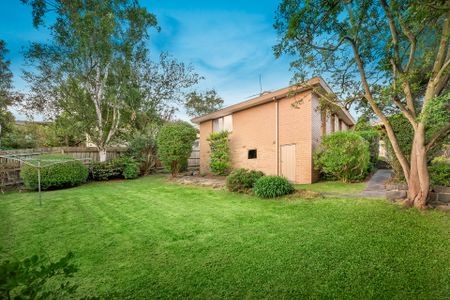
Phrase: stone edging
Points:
(439, 195)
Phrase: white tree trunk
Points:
(102, 155)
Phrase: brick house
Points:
(275, 132)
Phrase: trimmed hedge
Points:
(344, 156)
(440, 171)
(272, 187)
(121, 167)
(54, 175)
(242, 180)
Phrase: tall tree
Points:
(6, 96)
(382, 53)
(198, 104)
(89, 68)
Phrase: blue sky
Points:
(227, 42)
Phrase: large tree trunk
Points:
(419, 179)
(102, 154)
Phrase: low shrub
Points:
(440, 172)
(66, 173)
(129, 167)
(344, 156)
(272, 186)
(242, 180)
(121, 167)
(104, 171)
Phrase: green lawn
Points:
(151, 239)
(335, 187)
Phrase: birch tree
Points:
(384, 54)
(88, 67)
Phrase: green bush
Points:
(104, 171)
(242, 180)
(440, 171)
(121, 167)
(344, 156)
(272, 186)
(129, 167)
(142, 147)
(69, 172)
(373, 138)
(174, 143)
(220, 153)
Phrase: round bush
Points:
(69, 172)
(242, 180)
(272, 186)
(174, 142)
(344, 156)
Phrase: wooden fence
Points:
(10, 168)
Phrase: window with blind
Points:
(223, 124)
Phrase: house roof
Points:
(272, 96)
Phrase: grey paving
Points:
(375, 187)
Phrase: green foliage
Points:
(36, 278)
(121, 167)
(64, 131)
(25, 136)
(372, 136)
(57, 171)
(6, 97)
(142, 147)
(198, 104)
(440, 171)
(175, 141)
(405, 134)
(344, 156)
(220, 153)
(101, 44)
(436, 115)
(130, 168)
(242, 180)
(363, 123)
(272, 187)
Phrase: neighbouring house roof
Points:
(276, 95)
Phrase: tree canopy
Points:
(89, 66)
(198, 103)
(6, 96)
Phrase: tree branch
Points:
(390, 132)
(412, 39)
(394, 34)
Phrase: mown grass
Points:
(151, 239)
(334, 187)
